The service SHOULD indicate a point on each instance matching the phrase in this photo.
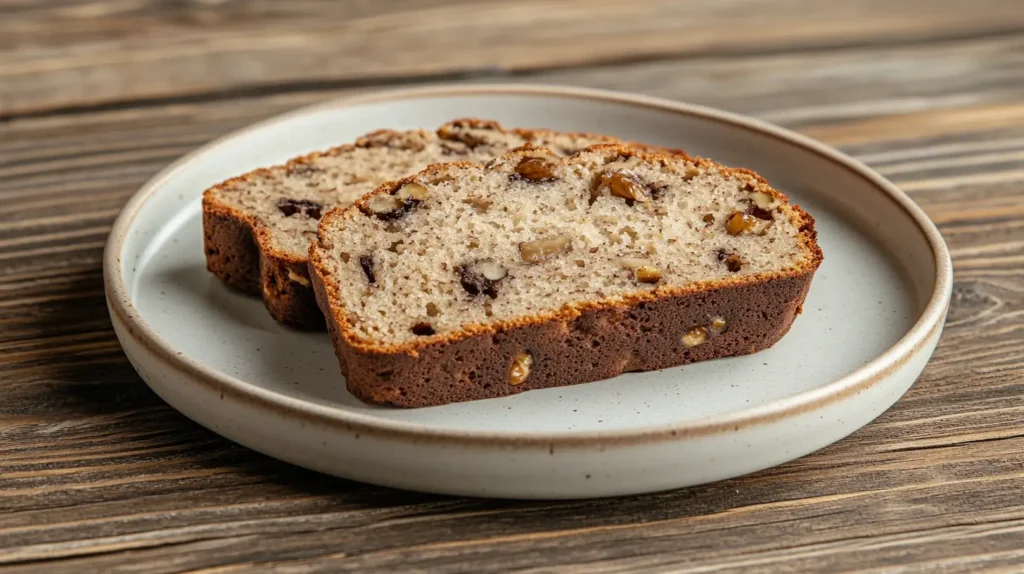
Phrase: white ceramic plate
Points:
(871, 321)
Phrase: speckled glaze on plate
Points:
(871, 321)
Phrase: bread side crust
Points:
(600, 342)
(578, 343)
(240, 252)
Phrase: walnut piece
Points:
(520, 369)
(762, 206)
(695, 336)
(541, 250)
(763, 200)
(389, 207)
(621, 183)
(536, 169)
(718, 325)
(739, 222)
(647, 274)
(384, 204)
(412, 191)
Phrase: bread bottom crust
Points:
(599, 344)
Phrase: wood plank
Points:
(96, 472)
(824, 88)
(83, 53)
(877, 82)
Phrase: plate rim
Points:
(876, 370)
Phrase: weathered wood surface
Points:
(97, 474)
(68, 53)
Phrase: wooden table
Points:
(96, 473)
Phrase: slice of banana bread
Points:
(471, 281)
(257, 227)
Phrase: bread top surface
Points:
(284, 203)
(462, 248)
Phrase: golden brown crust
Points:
(238, 245)
(779, 296)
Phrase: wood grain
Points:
(97, 474)
(62, 53)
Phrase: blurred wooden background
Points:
(97, 474)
